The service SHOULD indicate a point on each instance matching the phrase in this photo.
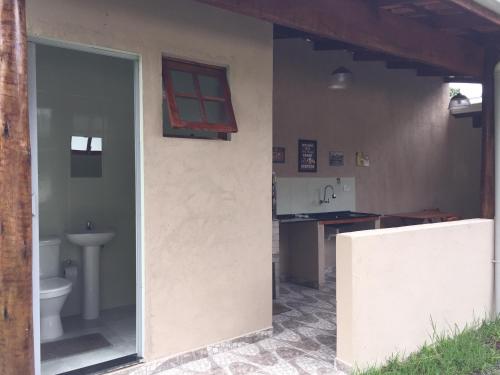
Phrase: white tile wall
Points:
(302, 194)
(276, 237)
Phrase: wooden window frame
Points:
(197, 69)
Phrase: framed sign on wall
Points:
(278, 154)
(308, 155)
(336, 159)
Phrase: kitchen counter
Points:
(330, 218)
(304, 241)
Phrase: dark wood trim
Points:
(356, 22)
(369, 56)
(402, 65)
(487, 139)
(462, 79)
(196, 69)
(331, 45)
(189, 66)
(478, 10)
(16, 308)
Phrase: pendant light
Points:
(459, 101)
(340, 79)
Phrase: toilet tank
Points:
(49, 257)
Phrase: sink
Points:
(91, 243)
(336, 215)
(90, 238)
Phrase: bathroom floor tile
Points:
(117, 326)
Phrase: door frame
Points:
(139, 182)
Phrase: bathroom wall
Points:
(420, 156)
(207, 204)
(84, 94)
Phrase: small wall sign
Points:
(308, 156)
(278, 154)
(336, 159)
(362, 159)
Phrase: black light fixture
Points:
(459, 101)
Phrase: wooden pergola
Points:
(458, 40)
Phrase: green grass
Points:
(474, 350)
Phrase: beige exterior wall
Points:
(207, 204)
(393, 284)
(420, 156)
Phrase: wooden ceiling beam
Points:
(355, 22)
(402, 65)
(460, 21)
(331, 45)
(429, 71)
(280, 32)
(478, 10)
(369, 56)
(462, 79)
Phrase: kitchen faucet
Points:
(327, 200)
(90, 226)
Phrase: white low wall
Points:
(394, 284)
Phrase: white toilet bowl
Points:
(53, 289)
(53, 294)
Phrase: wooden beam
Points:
(369, 56)
(478, 10)
(402, 65)
(460, 21)
(487, 139)
(280, 32)
(355, 22)
(16, 311)
(331, 45)
(462, 79)
(426, 71)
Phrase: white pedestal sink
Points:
(91, 243)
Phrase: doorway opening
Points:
(85, 135)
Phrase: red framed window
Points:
(198, 97)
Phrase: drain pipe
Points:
(496, 104)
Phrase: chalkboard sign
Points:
(308, 156)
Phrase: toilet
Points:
(53, 289)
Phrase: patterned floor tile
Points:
(303, 342)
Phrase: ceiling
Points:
(458, 18)
(449, 17)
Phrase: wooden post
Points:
(16, 331)
(487, 139)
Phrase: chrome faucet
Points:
(325, 199)
(90, 226)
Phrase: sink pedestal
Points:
(91, 282)
(91, 243)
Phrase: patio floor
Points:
(303, 341)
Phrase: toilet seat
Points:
(54, 287)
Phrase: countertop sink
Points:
(326, 216)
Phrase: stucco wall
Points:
(207, 204)
(420, 157)
(394, 284)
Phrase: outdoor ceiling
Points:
(447, 16)
(450, 17)
(458, 38)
